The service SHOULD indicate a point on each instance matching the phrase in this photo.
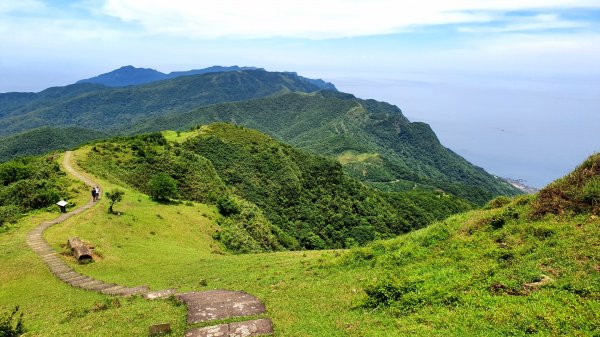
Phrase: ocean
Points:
(532, 128)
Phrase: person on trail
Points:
(94, 194)
(97, 193)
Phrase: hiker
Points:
(97, 193)
(94, 194)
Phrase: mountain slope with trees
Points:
(271, 195)
(102, 108)
(373, 140)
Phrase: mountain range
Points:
(373, 140)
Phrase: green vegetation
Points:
(162, 187)
(459, 277)
(511, 270)
(30, 183)
(39, 141)
(96, 107)
(114, 196)
(577, 192)
(8, 328)
(373, 140)
(271, 196)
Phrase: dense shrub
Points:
(162, 187)
(30, 183)
(227, 206)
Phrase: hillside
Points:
(41, 140)
(515, 269)
(493, 272)
(272, 196)
(94, 106)
(373, 140)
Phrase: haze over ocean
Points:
(535, 129)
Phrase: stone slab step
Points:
(133, 291)
(259, 327)
(159, 294)
(220, 304)
(88, 284)
(83, 280)
(102, 286)
(112, 290)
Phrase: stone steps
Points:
(258, 327)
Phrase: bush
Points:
(498, 202)
(163, 187)
(227, 206)
(6, 324)
(8, 213)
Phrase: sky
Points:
(428, 57)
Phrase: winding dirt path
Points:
(202, 306)
(53, 261)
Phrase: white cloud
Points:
(315, 19)
(533, 23)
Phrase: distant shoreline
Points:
(520, 184)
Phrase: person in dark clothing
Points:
(94, 196)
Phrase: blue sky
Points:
(57, 42)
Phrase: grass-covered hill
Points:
(373, 140)
(272, 196)
(524, 266)
(98, 107)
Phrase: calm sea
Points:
(535, 129)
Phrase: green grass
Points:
(352, 157)
(460, 277)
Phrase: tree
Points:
(114, 196)
(162, 187)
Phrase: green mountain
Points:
(272, 196)
(373, 140)
(98, 107)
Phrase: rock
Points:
(257, 327)
(159, 329)
(220, 304)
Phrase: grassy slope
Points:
(467, 278)
(53, 308)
